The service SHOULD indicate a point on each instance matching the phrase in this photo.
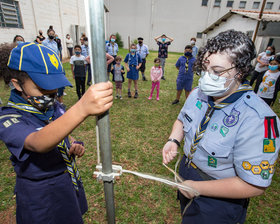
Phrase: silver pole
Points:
(98, 62)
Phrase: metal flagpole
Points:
(98, 61)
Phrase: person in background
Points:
(85, 53)
(78, 64)
(50, 41)
(118, 72)
(40, 38)
(194, 47)
(112, 48)
(156, 73)
(261, 66)
(143, 50)
(59, 46)
(132, 63)
(185, 75)
(35, 129)
(231, 136)
(18, 39)
(69, 44)
(269, 86)
(163, 50)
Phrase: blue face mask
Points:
(188, 54)
(113, 40)
(268, 52)
(163, 39)
(19, 42)
(132, 50)
(77, 52)
(273, 67)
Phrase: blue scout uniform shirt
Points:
(194, 51)
(185, 69)
(237, 141)
(143, 50)
(15, 126)
(133, 59)
(112, 49)
(85, 50)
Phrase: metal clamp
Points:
(107, 177)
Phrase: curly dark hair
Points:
(5, 72)
(239, 47)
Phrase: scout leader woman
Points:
(231, 135)
(35, 129)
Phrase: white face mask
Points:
(192, 42)
(213, 85)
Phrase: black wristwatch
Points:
(174, 140)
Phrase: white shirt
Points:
(267, 86)
(265, 59)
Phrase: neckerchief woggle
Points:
(16, 101)
(243, 88)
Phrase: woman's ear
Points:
(16, 85)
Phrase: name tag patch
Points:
(188, 118)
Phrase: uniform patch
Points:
(264, 169)
(232, 119)
(269, 145)
(188, 118)
(198, 104)
(224, 131)
(212, 161)
(265, 174)
(246, 165)
(214, 127)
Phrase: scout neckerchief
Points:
(186, 64)
(16, 101)
(210, 110)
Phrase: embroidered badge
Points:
(198, 104)
(269, 145)
(231, 119)
(264, 169)
(188, 118)
(224, 131)
(246, 165)
(53, 60)
(214, 127)
(265, 174)
(212, 161)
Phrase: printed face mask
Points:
(42, 103)
(213, 85)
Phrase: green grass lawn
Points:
(139, 129)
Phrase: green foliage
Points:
(119, 40)
(139, 129)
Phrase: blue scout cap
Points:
(40, 63)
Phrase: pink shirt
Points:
(156, 73)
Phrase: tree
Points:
(119, 40)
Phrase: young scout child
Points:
(133, 62)
(118, 71)
(35, 129)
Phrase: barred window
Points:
(229, 4)
(242, 4)
(217, 3)
(204, 2)
(256, 5)
(10, 14)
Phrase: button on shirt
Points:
(234, 143)
(163, 49)
(51, 44)
(181, 64)
(143, 50)
(112, 49)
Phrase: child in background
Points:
(269, 86)
(156, 74)
(35, 129)
(133, 62)
(185, 76)
(118, 71)
(78, 68)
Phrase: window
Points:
(256, 5)
(199, 35)
(10, 14)
(204, 2)
(242, 4)
(229, 4)
(217, 3)
(269, 5)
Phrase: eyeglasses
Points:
(215, 74)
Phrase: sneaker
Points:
(129, 94)
(120, 97)
(163, 78)
(144, 78)
(136, 95)
(116, 97)
(64, 94)
(157, 98)
(175, 102)
(149, 98)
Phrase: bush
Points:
(119, 40)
